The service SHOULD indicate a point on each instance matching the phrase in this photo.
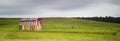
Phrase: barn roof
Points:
(29, 19)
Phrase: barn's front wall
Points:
(31, 25)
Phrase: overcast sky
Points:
(59, 8)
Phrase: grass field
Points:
(61, 29)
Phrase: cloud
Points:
(59, 8)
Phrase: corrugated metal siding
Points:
(31, 24)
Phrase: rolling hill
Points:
(60, 29)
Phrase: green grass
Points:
(60, 29)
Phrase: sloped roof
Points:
(29, 19)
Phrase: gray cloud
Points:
(63, 8)
(115, 1)
(72, 4)
(15, 7)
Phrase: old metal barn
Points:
(31, 24)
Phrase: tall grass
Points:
(60, 29)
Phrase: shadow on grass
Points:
(78, 32)
(71, 32)
(13, 35)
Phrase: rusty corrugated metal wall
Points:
(31, 25)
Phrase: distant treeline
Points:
(103, 19)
